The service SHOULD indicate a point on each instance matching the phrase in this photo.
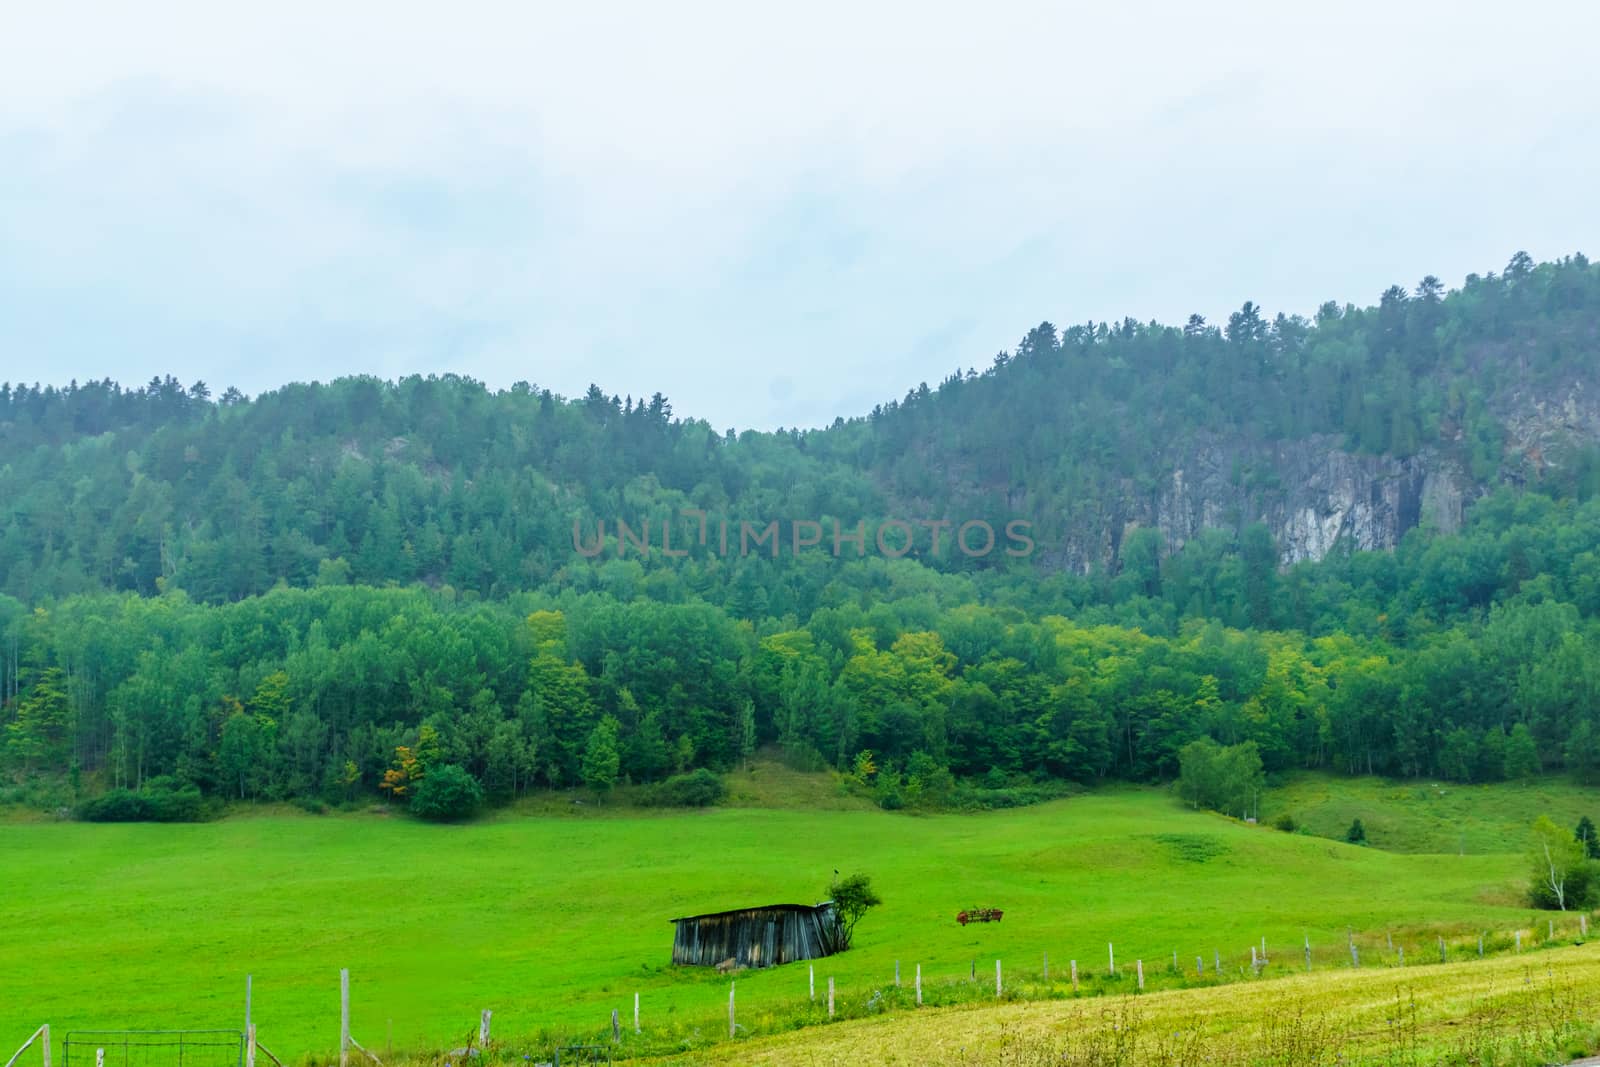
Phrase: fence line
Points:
(1023, 985)
(43, 1031)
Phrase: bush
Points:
(697, 789)
(1579, 891)
(1286, 823)
(311, 805)
(446, 794)
(970, 797)
(1357, 834)
(161, 800)
(852, 898)
(40, 792)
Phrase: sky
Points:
(773, 214)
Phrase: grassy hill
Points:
(552, 922)
(1430, 815)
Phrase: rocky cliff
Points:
(1313, 494)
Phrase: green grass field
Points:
(1430, 816)
(553, 920)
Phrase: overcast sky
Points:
(774, 214)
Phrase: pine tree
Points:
(1586, 836)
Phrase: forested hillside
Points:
(1365, 542)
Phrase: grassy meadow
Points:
(555, 914)
(1509, 1011)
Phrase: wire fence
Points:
(153, 1048)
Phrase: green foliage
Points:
(1522, 753)
(1224, 778)
(601, 760)
(446, 794)
(161, 800)
(1563, 876)
(40, 733)
(697, 789)
(852, 896)
(1586, 836)
(1357, 834)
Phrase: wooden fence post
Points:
(1139, 965)
(1389, 937)
(636, 1013)
(249, 1046)
(897, 974)
(344, 1017)
(1199, 966)
(1355, 956)
(1111, 955)
(483, 1028)
(731, 1024)
(1074, 968)
(813, 980)
(44, 1032)
(997, 988)
(1519, 940)
(247, 981)
(1263, 950)
(1174, 961)
(616, 1028)
(1402, 955)
(1216, 958)
(1255, 962)
(1308, 953)
(99, 1057)
(919, 985)
(830, 996)
(1441, 949)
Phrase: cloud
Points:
(707, 199)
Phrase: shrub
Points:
(969, 797)
(1286, 823)
(852, 898)
(161, 800)
(1588, 837)
(41, 792)
(697, 789)
(446, 794)
(1357, 834)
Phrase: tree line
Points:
(327, 692)
(273, 597)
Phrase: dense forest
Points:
(326, 589)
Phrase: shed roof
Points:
(754, 907)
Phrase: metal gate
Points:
(153, 1048)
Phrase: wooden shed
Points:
(757, 937)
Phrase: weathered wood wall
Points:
(757, 937)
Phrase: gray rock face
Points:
(1313, 495)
